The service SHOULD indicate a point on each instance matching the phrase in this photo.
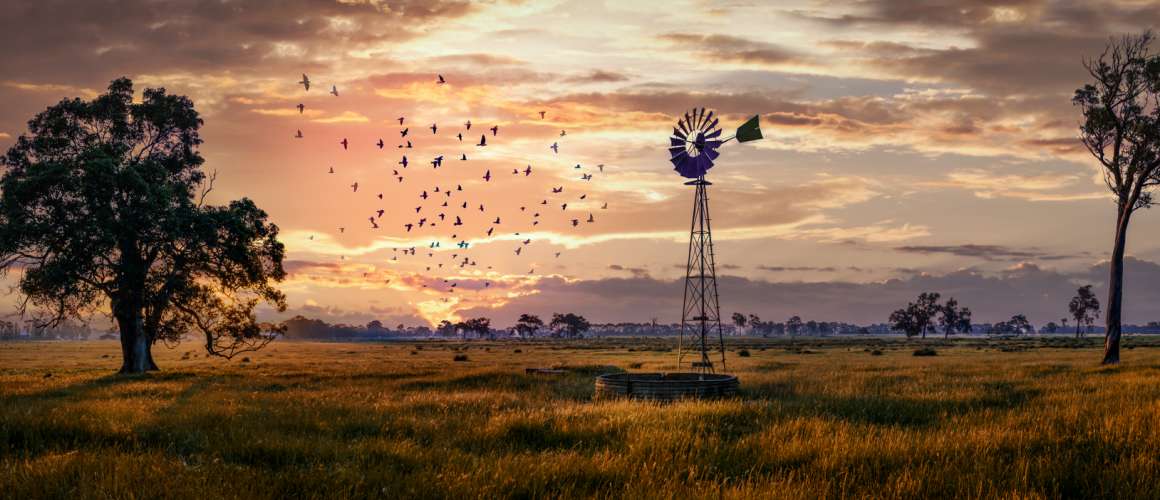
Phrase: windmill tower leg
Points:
(700, 313)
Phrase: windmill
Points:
(693, 148)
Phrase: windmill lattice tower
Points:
(693, 148)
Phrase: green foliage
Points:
(569, 324)
(103, 208)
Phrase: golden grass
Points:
(1026, 419)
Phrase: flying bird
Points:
(482, 140)
(403, 133)
(487, 176)
(441, 81)
(563, 133)
(434, 128)
(401, 120)
(542, 114)
(555, 148)
(334, 90)
(301, 108)
(467, 124)
(403, 163)
(556, 190)
(601, 167)
(528, 171)
(494, 130)
(354, 187)
(379, 144)
(460, 136)
(305, 82)
(344, 143)
(331, 170)
(298, 135)
(463, 157)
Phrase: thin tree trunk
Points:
(1116, 291)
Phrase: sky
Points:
(909, 146)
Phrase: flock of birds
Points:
(445, 213)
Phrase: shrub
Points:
(635, 365)
(925, 351)
(460, 357)
(876, 352)
(744, 353)
(517, 351)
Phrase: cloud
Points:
(985, 252)
(89, 41)
(726, 48)
(1041, 294)
(782, 269)
(1044, 187)
(598, 76)
(344, 117)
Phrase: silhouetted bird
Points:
(331, 170)
(467, 124)
(494, 130)
(298, 135)
(487, 176)
(343, 143)
(591, 219)
(305, 82)
(404, 162)
(604, 206)
(542, 114)
(601, 167)
(460, 136)
(354, 187)
(403, 133)
(434, 128)
(463, 157)
(401, 120)
(482, 140)
(555, 148)
(441, 81)
(558, 190)
(563, 133)
(379, 144)
(301, 108)
(334, 90)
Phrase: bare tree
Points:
(1121, 129)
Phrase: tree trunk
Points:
(136, 348)
(1116, 290)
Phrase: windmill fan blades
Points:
(693, 145)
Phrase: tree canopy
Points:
(1121, 130)
(103, 209)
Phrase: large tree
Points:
(103, 209)
(528, 325)
(954, 318)
(1121, 129)
(1084, 307)
(569, 324)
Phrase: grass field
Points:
(816, 418)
